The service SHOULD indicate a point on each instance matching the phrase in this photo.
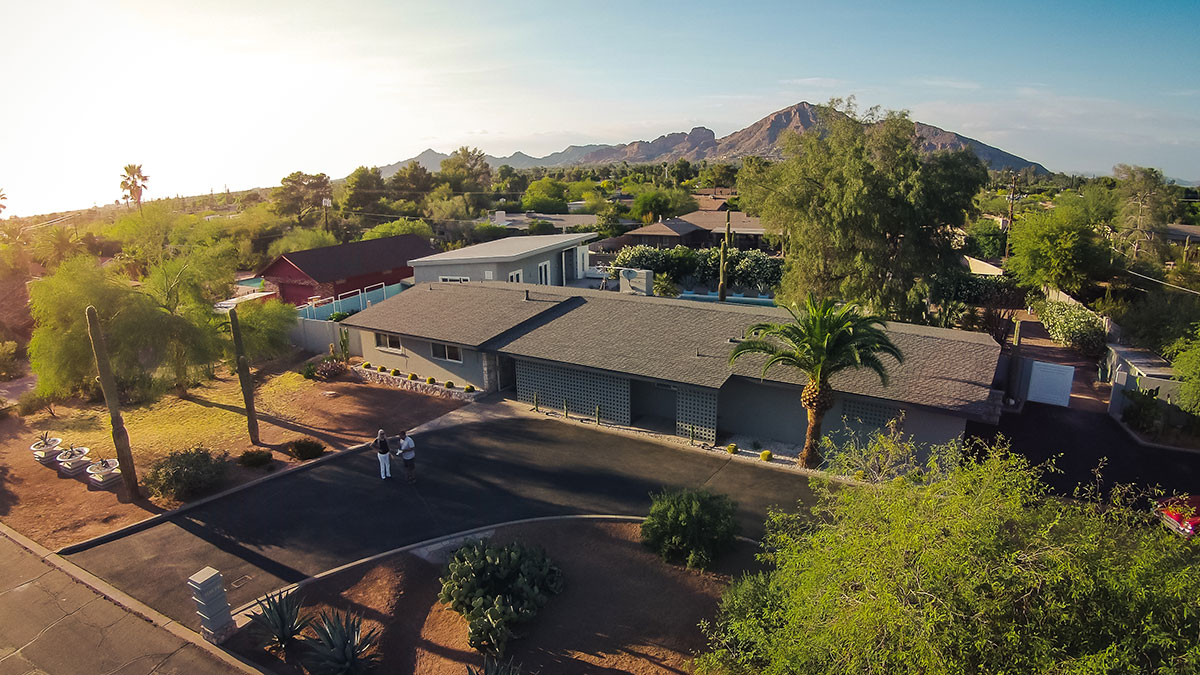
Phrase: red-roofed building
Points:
(332, 270)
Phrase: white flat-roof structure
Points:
(547, 259)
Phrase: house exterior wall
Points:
(296, 287)
(478, 271)
(696, 413)
(582, 390)
(416, 356)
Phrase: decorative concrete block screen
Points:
(582, 390)
(696, 412)
(868, 414)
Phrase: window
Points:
(385, 341)
(456, 280)
(488, 275)
(446, 352)
(544, 273)
(515, 277)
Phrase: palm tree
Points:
(820, 341)
(133, 182)
(3, 197)
(57, 245)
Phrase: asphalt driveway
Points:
(470, 475)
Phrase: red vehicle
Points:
(1181, 514)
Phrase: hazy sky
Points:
(208, 93)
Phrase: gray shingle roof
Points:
(465, 314)
(508, 248)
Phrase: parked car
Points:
(1181, 514)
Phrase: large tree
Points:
(411, 183)
(860, 210)
(1146, 204)
(133, 183)
(1050, 248)
(545, 195)
(364, 188)
(469, 176)
(301, 239)
(300, 194)
(962, 567)
(821, 340)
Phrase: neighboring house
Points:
(669, 234)
(333, 270)
(746, 231)
(664, 364)
(711, 203)
(520, 221)
(548, 259)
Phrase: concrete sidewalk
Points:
(52, 623)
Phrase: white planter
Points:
(102, 467)
(73, 461)
(46, 447)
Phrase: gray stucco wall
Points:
(417, 358)
(774, 411)
(500, 271)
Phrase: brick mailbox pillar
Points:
(208, 590)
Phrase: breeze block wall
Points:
(696, 412)
(582, 390)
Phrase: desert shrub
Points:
(186, 474)
(494, 587)
(493, 666)
(366, 365)
(690, 526)
(278, 620)
(9, 368)
(307, 448)
(309, 371)
(978, 290)
(254, 459)
(395, 372)
(731, 448)
(341, 647)
(412, 376)
(1143, 411)
(31, 402)
(449, 384)
(338, 316)
(1072, 325)
(469, 388)
(765, 455)
(382, 369)
(430, 380)
(328, 370)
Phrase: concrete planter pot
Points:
(73, 461)
(104, 473)
(402, 382)
(46, 451)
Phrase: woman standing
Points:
(385, 455)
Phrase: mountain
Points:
(761, 138)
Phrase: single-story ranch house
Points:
(546, 259)
(332, 270)
(664, 363)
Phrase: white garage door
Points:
(1051, 383)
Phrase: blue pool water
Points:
(255, 282)
(764, 302)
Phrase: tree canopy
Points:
(300, 194)
(396, 228)
(861, 212)
(966, 566)
(1052, 249)
(301, 240)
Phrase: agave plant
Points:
(496, 667)
(278, 618)
(341, 647)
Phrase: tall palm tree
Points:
(57, 245)
(3, 197)
(133, 182)
(820, 341)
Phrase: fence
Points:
(314, 335)
(349, 302)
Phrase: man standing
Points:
(385, 456)
(409, 455)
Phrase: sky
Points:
(214, 94)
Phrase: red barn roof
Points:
(332, 263)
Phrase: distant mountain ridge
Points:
(760, 139)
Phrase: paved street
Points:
(51, 623)
(471, 475)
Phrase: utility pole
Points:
(1012, 202)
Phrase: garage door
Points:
(1051, 383)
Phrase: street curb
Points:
(145, 523)
(428, 543)
(125, 601)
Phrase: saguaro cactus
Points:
(243, 372)
(108, 385)
(721, 285)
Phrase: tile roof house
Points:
(669, 234)
(658, 361)
(331, 270)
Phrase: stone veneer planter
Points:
(419, 386)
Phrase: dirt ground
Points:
(56, 510)
(623, 609)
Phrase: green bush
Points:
(765, 455)
(494, 587)
(1074, 326)
(430, 380)
(341, 647)
(366, 365)
(690, 526)
(493, 666)
(412, 376)
(9, 367)
(186, 474)
(339, 316)
(307, 448)
(1143, 412)
(731, 448)
(449, 384)
(254, 459)
(469, 388)
(309, 371)
(31, 402)
(382, 369)
(395, 372)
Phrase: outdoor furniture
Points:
(73, 461)
(103, 473)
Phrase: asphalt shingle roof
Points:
(508, 248)
(330, 263)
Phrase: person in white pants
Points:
(385, 455)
